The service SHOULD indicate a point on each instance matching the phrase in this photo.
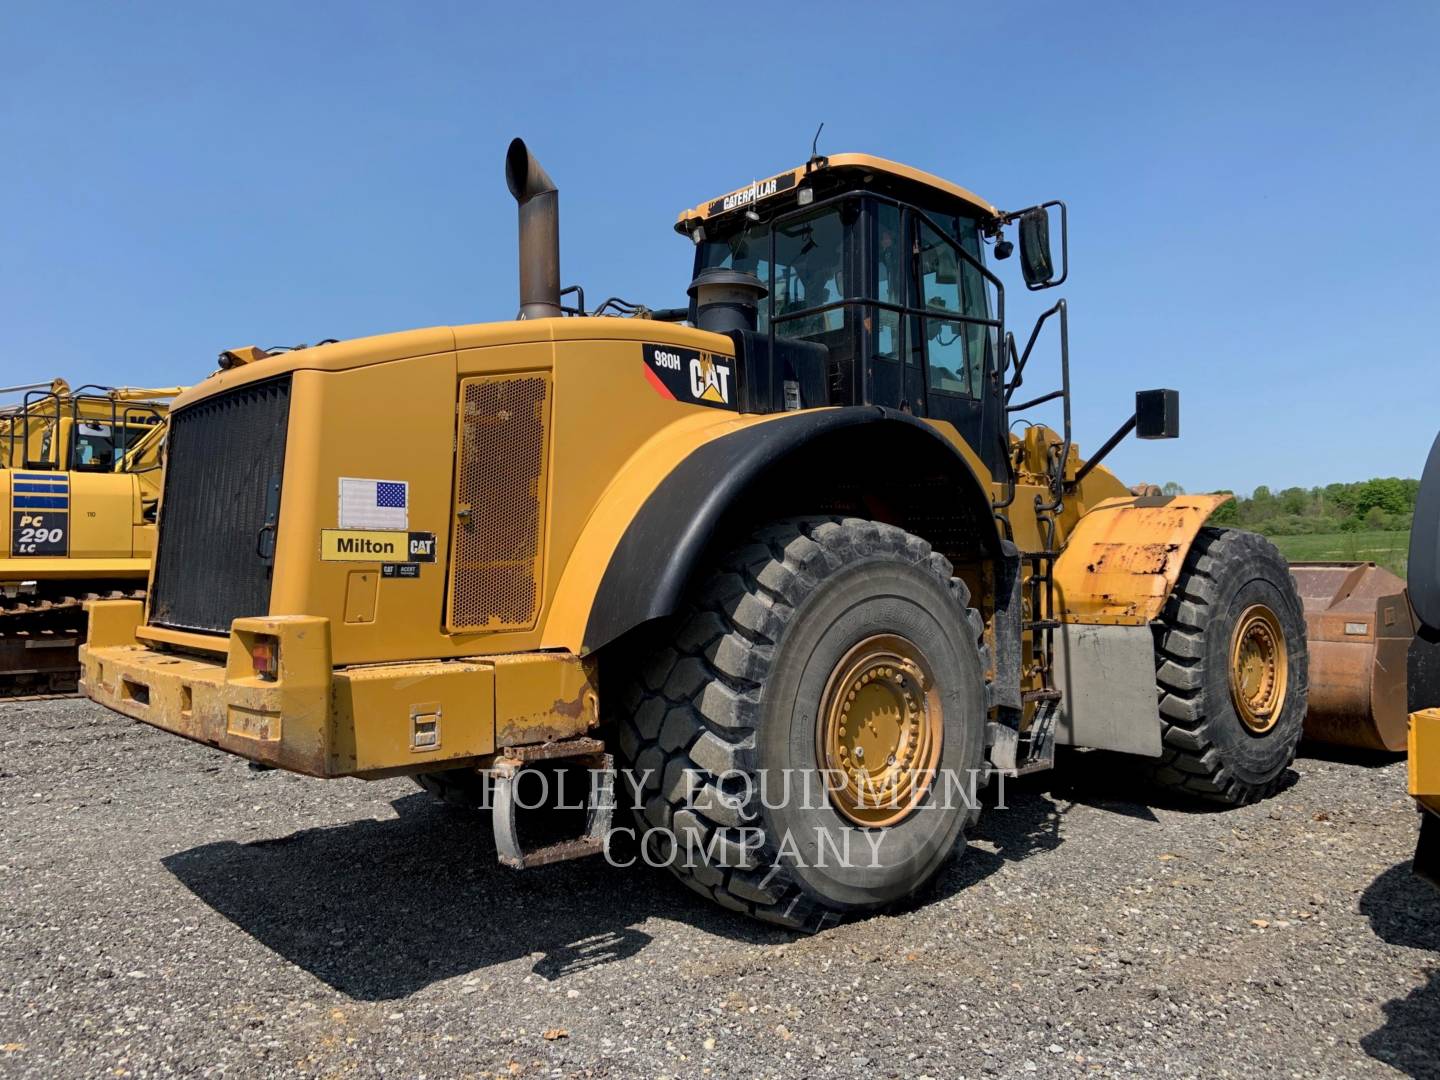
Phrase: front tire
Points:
(815, 643)
(1232, 669)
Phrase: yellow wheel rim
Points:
(1259, 668)
(878, 734)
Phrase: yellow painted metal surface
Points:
(1124, 556)
(388, 719)
(542, 697)
(1424, 761)
(114, 622)
(597, 474)
(361, 720)
(867, 162)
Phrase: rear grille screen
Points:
(495, 571)
(225, 457)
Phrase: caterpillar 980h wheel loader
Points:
(787, 563)
(80, 481)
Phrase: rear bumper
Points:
(370, 720)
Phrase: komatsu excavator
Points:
(79, 484)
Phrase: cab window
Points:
(889, 281)
(949, 287)
(94, 448)
(809, 270)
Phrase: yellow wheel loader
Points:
(777, 551)
(80, 481)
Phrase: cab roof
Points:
(759, 190)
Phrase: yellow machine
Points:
(1424, 667)
(793, 541)
(80, 481)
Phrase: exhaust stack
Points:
(539, 202)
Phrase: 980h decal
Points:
(690, 376)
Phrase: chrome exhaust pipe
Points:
(539, 202)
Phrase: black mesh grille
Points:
(224, 463)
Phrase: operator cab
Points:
(881, 264)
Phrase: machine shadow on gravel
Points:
(1348, 755)
(381, 909)
(1109, 782)
(426, 901)
(1404, 910)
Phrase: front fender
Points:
(1125, 555)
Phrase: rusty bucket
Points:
(1359, 625)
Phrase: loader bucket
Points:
(1359, 626)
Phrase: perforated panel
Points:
(495, 572)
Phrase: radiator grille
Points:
(224, 460)
(495, 572)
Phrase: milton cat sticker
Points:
(376, 545)
(690, 376)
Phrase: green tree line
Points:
(1382, 503)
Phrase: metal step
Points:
(600, 801)
(1047, 694)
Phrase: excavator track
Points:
(40, 640)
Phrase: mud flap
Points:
(1108, 698)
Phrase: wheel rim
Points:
(1259, 668)
(879, 733)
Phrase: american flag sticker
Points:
(374, 504)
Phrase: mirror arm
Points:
(1099, 456)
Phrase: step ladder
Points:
(1032, 750)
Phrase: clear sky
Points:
(1252, 186)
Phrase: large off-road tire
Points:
(1231, 664)
(744, 688)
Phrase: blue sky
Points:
(1251, 186)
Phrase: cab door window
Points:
(809, 273)
(949, 287)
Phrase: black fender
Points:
(665, 543)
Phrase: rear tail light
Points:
(265, 655)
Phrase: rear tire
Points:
(736, 698)
(1231, 665)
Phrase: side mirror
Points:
(1035, 259)
(1157, 414)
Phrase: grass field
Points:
(1389, 549)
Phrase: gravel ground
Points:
(165, 910)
